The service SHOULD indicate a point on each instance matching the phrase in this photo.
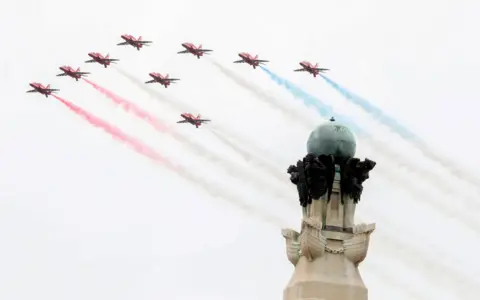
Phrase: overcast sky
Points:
(82, 216)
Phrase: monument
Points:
(330, 246)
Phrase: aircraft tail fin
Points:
(256, 56)
(200, 46)
(316, 65)
(78, 69)
(48, 86)
(140, 38)
(108, 55)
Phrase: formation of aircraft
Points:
(69, 71)
(99, 58)
(310, 68)
(194, 120)
(190, 48)
(250, 59)
(163, 80)
(39, 88)
(132, 41)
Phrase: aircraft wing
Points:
(63, 74)
(144, 42)
(239, 61)
(182, 121)
(82, 73)
(260, 60)
(32, 91)
(52, 90)
(299, 70)
(111, 59)
(183, 51)
(90, 61)
(203, 120)
(173, 79)
(150, 81)
(321, 69)
(205, 50)
(122, 43)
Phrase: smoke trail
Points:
(230, 167)
(147, 151)
(380, 116)
(326, 110)
(257, 91)
(270, 168)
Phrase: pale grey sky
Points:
(85, 217)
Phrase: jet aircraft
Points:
(132, 41)
(310, 68)
(191, 48)
(99, 58)
(189, 118)
(39, 88)
(69, 71)
(163, 80)
(250, 59)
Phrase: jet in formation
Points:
(69, 71)
(163, 80)
(99, 58)
(250, 59)
(310, 68)
(132, 41)
(39, 88)
(191, 48)
(189, 118)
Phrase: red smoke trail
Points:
(115, 132)
(145, 150)
(129, 106)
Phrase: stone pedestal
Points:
(330, 277)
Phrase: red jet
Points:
(189, 118)
(39, 88)
(132, 41)
(250, 59)
(98, 58)
(163, 80)
(69, 71)
(191, 48)
(310, 68)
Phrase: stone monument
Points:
(330, 246)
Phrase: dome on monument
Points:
(332, 138)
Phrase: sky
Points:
(84, 216)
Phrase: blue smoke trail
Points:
(379, 115)
(311, 101)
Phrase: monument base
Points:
(329, 277)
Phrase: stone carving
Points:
(292, 245)
(356, 248)
(312, 242)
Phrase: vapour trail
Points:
(149, 152)
(326, 111)
(257, 91)
(230, 167)
(273, 170)
(404, 132)
(179, 105)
